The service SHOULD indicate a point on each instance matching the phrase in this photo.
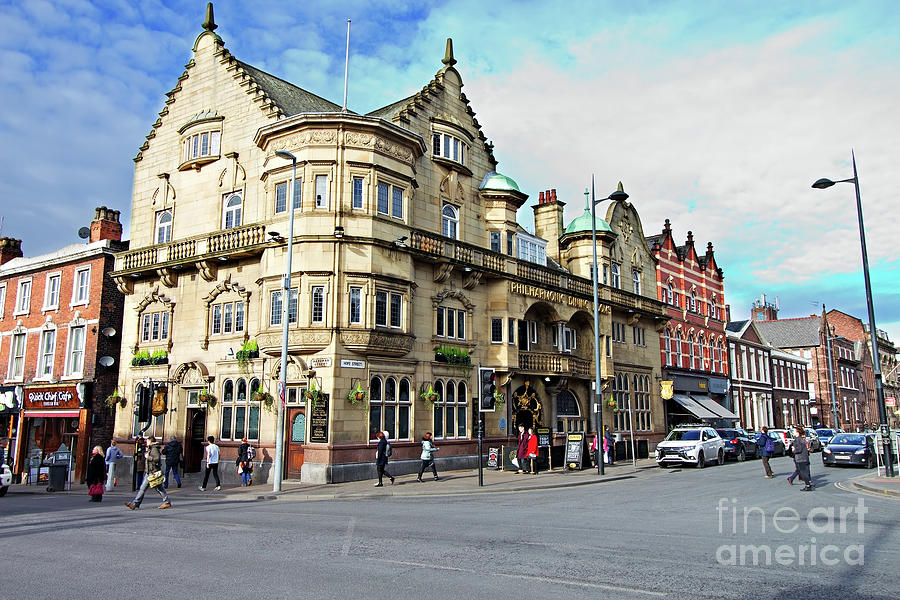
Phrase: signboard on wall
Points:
(318, 421)
(57, 397)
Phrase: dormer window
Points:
(450, 147)
(201, 140)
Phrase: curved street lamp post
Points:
(879, 389)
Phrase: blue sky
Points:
(716, 115)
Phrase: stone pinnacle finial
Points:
(210, 23)
(620, 188)
(448, 55)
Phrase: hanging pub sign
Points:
(44, 398)
(318, 422)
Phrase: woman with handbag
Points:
(153, 477)
(532, 450)
(96, 474)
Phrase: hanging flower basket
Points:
(312, 395)
(207, 399)
(115, 400)
(429, 396)
(612, 404)
(358, 396)
(499, 399)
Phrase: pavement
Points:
(451, 483)
(462, 482)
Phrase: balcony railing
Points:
(197, 247)
(555, 363)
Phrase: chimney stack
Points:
(105, 225)
(10, 248)
(553, 195)
(540, 197)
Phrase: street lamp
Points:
(879, 389)
(619, 195)
(285, 313)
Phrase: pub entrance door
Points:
(296, 424)
(194, 437)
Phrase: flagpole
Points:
(346, 66)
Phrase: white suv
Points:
(5, 477)
(691, 445)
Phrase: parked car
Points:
(826, 434)
(850, 449)
(739, 444)
(5, 479)
(812, 440)
(696, 445)
(785, 436)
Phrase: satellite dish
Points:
(109, 331)
(84, 233)
(107, 361)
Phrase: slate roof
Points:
(791, 333)
(735, 326)
(387, 112)
(290, 99)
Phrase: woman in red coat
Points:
(521, 449)
(532, 451)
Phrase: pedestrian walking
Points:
(153, 477)
(113, 454)
(595, 446)
(140, 449)
(610, 446)
(212, 463)
(244, 462)
(521, 449)
(382, 453)
(96, 474)
(172, 452)
(801, 458)
(766, 446)
(428, 450)
(532, 451)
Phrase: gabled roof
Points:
(388, 112)
(288, 97)
(792, 333)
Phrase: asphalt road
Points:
(662, 534)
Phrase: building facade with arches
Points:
(409, 271)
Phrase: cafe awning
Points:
(51, 413)
(713, 406)
(694, 407)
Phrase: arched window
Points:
(450, 411)
(240, 414)
(450, 221)
(667, 347)
(389, 407)
(698, 352)
(670, 294)
(163, 226)
(616, 276)
(232, 211)
(636, 280)
(678, 349)
(623, 402)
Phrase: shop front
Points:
(693, 399)
(54, 419)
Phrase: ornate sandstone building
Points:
(409, 271)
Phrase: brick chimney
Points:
(548, 221)
(105, 225)
(10, 248)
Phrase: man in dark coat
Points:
(172, 452)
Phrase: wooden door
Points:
(296, 429)
(193, 440)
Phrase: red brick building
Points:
(693, 346)
(805, 337)
(856, 331)
(60, 314)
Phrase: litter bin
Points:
(58, 476)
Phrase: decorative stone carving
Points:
(383, 343)
(472, 280)
(208, 270)
(452, 293)
(169, 277)
(442, 272)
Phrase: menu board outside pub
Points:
(318, 422)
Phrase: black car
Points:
(738, 444)
(850, 449)
(825, 435)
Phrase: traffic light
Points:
(487, 388)
(145, 400)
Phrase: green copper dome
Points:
(583, 223)
(497, 182)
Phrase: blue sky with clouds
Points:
(716, 115)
